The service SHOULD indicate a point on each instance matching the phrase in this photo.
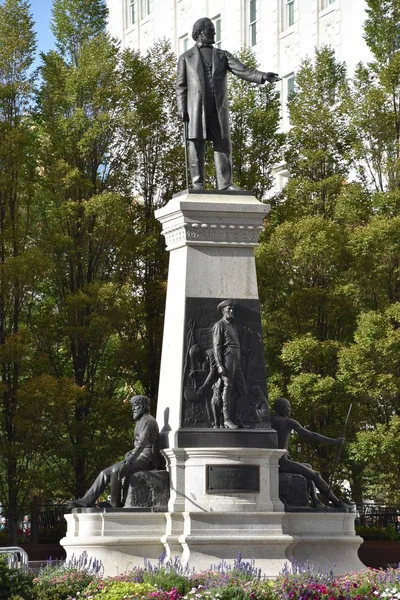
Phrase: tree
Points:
(111, 154)
(307, 297)
(153, 170)
(375, 259)
(84, 221)
(308, 313)
(319, 143)
(21, 263)
(369, 371)
(256, 142)
(376, 98)
(369, 367)
(75, 23)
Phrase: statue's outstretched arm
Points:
(313, 435)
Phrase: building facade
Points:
(280, 32)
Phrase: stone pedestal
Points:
(215, 480)
(211, 238)
(148, 489)
(325, 538)
(213, 517)
(224, 496)
(120, 538)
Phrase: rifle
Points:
(338, 452)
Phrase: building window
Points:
(217, 24)
(130, 13)
(183, 43)
(253, 22)
(289, 13)
(287, 93)
(281, 178)
(144, 8)
(326, 3)
(289, 86)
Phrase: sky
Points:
(41, 13)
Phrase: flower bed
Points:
(170, 581)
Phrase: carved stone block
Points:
(293, 491)
(147, 489)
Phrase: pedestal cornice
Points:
(212, 220)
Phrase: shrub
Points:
(14, 584)
(308, 582)
(168, 581)
(61, 581)
(377, 532)
(166, 575)
(115, 590)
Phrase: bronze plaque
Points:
(232, 478)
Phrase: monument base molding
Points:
(223, 501)
(122, 540)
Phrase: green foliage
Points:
(76, 22)
(375, 532)
(14, 584)
(382, 28)
(373, 126)
(116, 590)
(374, 447)
(226, 592)
(369, 368)
(153, 154)
(60, 583)
(376, 99)
(376, 261)
(308, 276)
(256, 142)
(16, 52)
(83, 223)
(152, 170)
(22, 263)
(319, 143)
(168, 580)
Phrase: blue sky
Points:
(41, 13)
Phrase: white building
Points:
(280, 32)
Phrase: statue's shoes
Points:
(231, 188)
(78, 503)
(228, 424)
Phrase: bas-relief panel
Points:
(198, 397)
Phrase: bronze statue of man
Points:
(284, 425)
(142, 457)
(227, 354)
(203, 101)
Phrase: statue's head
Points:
(227, 308)
(282, 407)
(140, 406)
(204, 31)
(194, 351)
